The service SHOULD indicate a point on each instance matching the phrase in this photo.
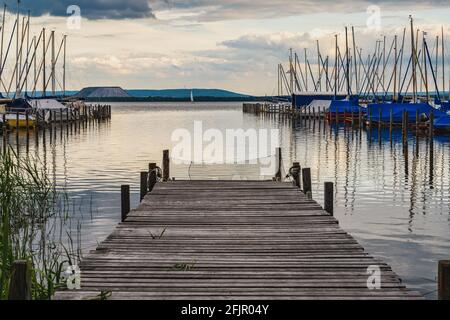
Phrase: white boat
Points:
(192, 95)
(54, 110)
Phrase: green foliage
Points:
(32, 219)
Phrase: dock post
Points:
(431, 138)
(391, 123)
(144, 184)
(61, 119)
(306, 176)
(166, 165)
(417, 123)
(4, 132)
(329, 194)
(444, 280)
(125, 201)
(380, 115)
(296, 173)
(20, 283)
(27, 121)
(279, 164)
(152, 176)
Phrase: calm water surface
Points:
(395, 203)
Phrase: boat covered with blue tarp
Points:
(441, 121)
(382, 111)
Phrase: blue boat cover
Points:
(397, 111)
(445, 106)
(344, 106)
(442, 119)
(302, 100)
(18, 105)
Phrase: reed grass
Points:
(33, 216)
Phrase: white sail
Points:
(192, 95)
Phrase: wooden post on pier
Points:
(27, 120)
(125, 201)
(144, 184)
(279, 160)
(152, 176)
(61, 119)
(17, 123)
(307, 185)
(296, 173)
(417, 122)
(166, 165)
(404, 127)
(329, 197)
(4, 131)
(380, 115)
(431, 138)
(20, 283)
(444, 280)
(360, 119)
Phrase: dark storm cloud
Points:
(90, 9)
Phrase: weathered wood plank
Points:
(231, 240)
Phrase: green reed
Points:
(33, 215)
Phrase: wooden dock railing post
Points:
(279, 160)
(306, 176)
(125, 201)
(166, 165)
(444, 280)
(20, 283)
(152, 176)
(144, 184)
(329, 197)
(296, 173)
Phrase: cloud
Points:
(90, 9)
(218, 10)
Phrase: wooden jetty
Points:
(231, 240)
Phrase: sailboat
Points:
(192, 96)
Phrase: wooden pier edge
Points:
(257, 240)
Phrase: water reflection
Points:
(393, 197)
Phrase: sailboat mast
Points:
(17, 46)
(347, 71)
(425, 65)
(64, 66)
(443, 61)
(53, 64)
(336, 67)
(28, 50)
(2, 39)
(44, 84)
(318, 66)
(413, 59)
(306, 69)
(395, 69)
(356, 64)
(291, 73)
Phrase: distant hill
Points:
(102, 92)
(185, 93)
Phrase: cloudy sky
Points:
(229, 44)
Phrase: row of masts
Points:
(352, 74)
(30, 71)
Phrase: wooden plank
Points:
(231, 240)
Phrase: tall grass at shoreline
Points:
(34, 216)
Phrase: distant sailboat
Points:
(192, 95)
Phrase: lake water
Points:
(394, 203)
